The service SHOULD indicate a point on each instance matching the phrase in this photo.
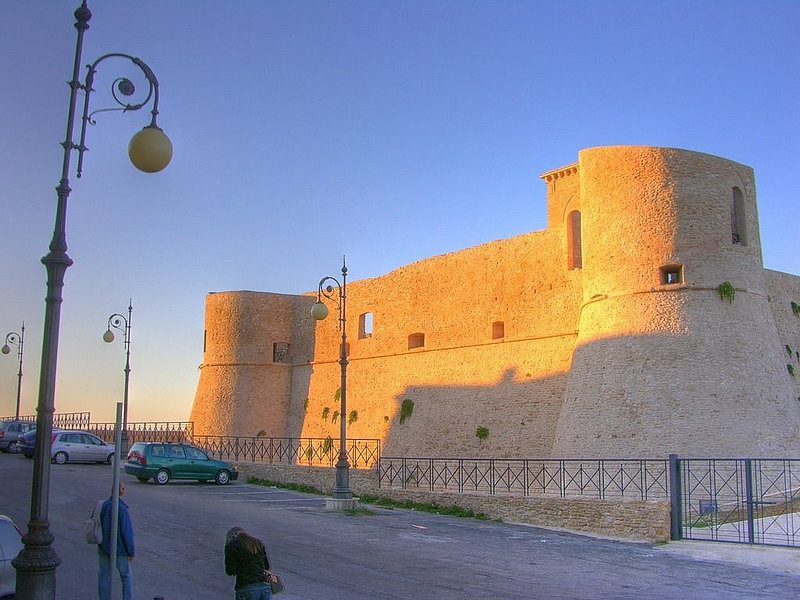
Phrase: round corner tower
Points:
(245, 378)
(666, 360)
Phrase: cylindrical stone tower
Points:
(246, 375)
(663, 363)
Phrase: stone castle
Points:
(640, 322)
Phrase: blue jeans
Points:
(125, 575)
(254, 591)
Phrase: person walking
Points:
(246, 558)
(125, 548)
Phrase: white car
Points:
(10, 545)
(80, 446)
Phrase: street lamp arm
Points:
(118, 322)
(121, 85)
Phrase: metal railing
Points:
(642, 479)
(75, 420)
(147, 431)
(361, 453)
(750, 500)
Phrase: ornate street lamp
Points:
(342, 496)
(150, 150)
(122, 324)
(18, 340)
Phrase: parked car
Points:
(10, 545)
(26, 443)
(163, 461)
(10, 431)
(69, 445)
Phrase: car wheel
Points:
(223, 477)
(60, 458)
(110, 459)
(162, 477)
(13, 448)
(143, 479)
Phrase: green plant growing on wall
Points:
(352, 417)
(792, 370)
(481, 433)
(261, 433)
(305, 406)
(335, 416)
(789, 350)
(309, 453)
(337, 395)
(406, 410)
(325, 412)
(327, 445)
(796, 309)
(726, 291)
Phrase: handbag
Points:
(275, 582)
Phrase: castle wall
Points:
(660, 367)
(461, 379)
(242, 390)
(572, 341)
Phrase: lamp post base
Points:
(36, 565)
(341, 503)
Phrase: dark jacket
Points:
(246, 557)
(125, 545)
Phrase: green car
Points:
(164, 461)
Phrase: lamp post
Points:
(150, 150)
(342, 496)
(18, 340)
(123, 324)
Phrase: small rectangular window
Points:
(365, 325)
(498, 330)
(280, 352)
(671, 274)
(416, 340)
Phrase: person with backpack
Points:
(125, 548)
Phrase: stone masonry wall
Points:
(608, 359)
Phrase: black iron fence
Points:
(750, 500)
(361, 453)
(643, 479)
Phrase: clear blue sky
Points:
(387, 130)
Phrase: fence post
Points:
(748, 486)
(675, 499)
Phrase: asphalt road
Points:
(394, 554)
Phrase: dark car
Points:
(10, 431)
(165, 461)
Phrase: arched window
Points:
(738, 223)
(365, 325)
(574, 255)
(416, 340)
(498, 330)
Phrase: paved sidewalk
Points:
(773, 558)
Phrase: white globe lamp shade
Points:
(150, 150)
(319, 311)
(108, 336)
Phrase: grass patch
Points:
(295, 487)
(382, 501)
(434, 508)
